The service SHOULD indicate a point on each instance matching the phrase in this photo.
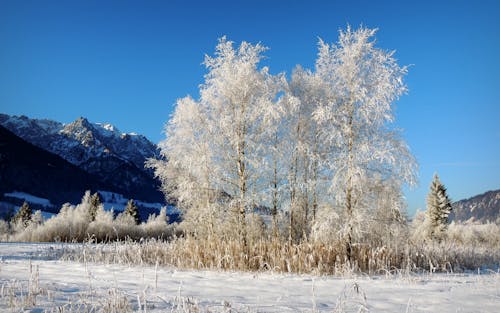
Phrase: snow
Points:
(161, 288)
(109, 127)
(29, 198)
(117, 202)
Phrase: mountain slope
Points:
(81, 140)
(481, 208)
(115, 158)
(25, 167)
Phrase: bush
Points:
(75, 224)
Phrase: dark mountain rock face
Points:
(481, 208)
(114, 160)
(25, 167)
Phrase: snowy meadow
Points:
(31, 279)
(290, 193)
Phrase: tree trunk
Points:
(243, 190)
(315, 181)
(293, 185)
(274, 211)
(349, 206)
(305, 226)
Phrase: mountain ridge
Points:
(480, 208)
(26, 167)
(80, 140)
(100, 149)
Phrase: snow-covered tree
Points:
(235, 97)
(276, 153)
(306, 167)
(102, 227)
(157, 225)
(23, 216)
(95, 202)
(222, 133)
(132, 210)
(321, 141)
(365, 81)
(186, 170)
(37, 218)
(438, 209)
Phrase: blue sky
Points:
(126, 62)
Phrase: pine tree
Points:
(95, 202)
(438, 209)
(132, 210)
(23, 215)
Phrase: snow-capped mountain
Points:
(115, 158)
(81, 141)
(481, 208)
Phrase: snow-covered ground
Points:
(118, 202)
(72, 285)
(28, 197)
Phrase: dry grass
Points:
(306, 257)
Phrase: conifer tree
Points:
(438, 209)
(132, 210)
(95, 202)
(23, 215)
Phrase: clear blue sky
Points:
(126, 62)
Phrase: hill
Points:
(116, 159)
(481, 208)
(25, 167)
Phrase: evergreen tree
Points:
(132, 210)
(438, 209)
(95, 202)
(23, 215)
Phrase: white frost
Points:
(254, 292)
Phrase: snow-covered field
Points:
(28, 197)
(33, 279)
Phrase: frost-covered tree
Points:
(235, 97)
(23, 216)
(95, 202)
(186, 170)
(438, 209)
(365, 81)
(322, 141)
(132, 210)
(307, 172)
(102, 227)
(37, 218)
(157, 226)
(276, 153)
(223, 133)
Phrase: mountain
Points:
(480, 208)
(114, 158)
(25, 167)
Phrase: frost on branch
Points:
(364, 81)
(317, 152)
